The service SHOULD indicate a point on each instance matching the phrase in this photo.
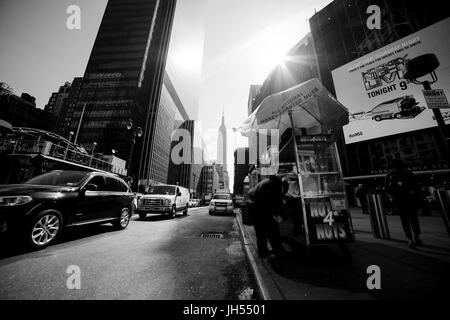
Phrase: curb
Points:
(261, 292)
(264, 289)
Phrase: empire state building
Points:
(221, 163)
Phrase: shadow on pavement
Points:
(12, 246)
(405, 274)
(154, 218)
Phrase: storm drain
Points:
(212, 235)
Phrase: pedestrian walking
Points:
(402, 189)
(361, 194)
(265, 203)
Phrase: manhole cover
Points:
(212, 235)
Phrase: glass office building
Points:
(124, 78)
(171, 114)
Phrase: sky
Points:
(217, 50)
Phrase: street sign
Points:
(436, 99)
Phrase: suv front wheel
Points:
(44, 229)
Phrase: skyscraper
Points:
(222, 144)
(66, 113)
(221, 162)
(55, 104)
(124, 78)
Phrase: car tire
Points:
(398, 116)
(173, 212)
(124, 219)
(142, 215)
(44, 229)
(377, 118)
(185, 212)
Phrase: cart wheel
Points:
(345, 251)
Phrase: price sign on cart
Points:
(338, 204)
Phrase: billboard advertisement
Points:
(380, 101)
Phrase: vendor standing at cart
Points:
(266, 208)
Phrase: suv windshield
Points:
(162, 190)
(59, 178)
(222, 197)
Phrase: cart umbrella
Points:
(308, 105)
(311, 105)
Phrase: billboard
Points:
(380, 101)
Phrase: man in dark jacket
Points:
(266, 206)
(402, 188)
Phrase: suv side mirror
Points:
(178, 194)
(90, 187)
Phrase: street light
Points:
(92, 155)
(67, 148)
(419, 67)
(137, 133)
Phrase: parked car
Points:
(194, 203)
(164, 199)
(221, 202)
(39, 209)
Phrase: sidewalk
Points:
(405, 273)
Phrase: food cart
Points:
(309, 158)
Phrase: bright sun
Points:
(270, 50)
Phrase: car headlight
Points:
(14, 200)
(167, 202)
(211, 204)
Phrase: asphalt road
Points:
(153, 259)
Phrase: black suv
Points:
(38, 209)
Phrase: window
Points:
(99, 181)
(112, 184)
(122, 186)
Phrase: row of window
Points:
(109, 184)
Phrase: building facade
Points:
(171, 115)
(64, 118)
(123, 80)
(181, 159)
(56, 102)
(341, 36)
(22, 112)
(209, 181)
(251, 104)
(299, 66)
(241, 167)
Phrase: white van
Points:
(163, 199)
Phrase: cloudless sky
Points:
(218, 49)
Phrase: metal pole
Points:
(441, 125)
(67, 148)
(300, 183)
(92, 155)
(79, 124)
(131, 153)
